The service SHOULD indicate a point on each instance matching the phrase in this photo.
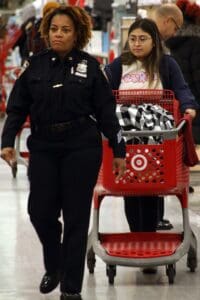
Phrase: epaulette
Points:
(90, 57)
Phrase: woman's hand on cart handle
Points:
(119, 167)
(191, 112)
(9, 155)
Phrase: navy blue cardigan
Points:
(170, 75)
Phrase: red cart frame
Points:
(151, 170)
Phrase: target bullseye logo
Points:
(139, 162)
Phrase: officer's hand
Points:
(9, 155)
(191, 112)
(119, 167)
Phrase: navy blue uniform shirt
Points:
(52, 91)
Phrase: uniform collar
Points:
(71, 56)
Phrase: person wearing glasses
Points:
(143, 65)
(185, 48)
(168, 18)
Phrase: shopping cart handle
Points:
(167, 134)
(180, 125)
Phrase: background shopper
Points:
(169, 19)
(30, 41)
(185, 48)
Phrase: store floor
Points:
(21, 266)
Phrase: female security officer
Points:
(69, 102)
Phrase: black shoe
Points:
(152, 270)
(191, 189)
(66, 296)
(49, 282)
(164, 225)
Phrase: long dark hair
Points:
(151, 63)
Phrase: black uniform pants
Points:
(63, 181)
(161, 208)
(141, 213)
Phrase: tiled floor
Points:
(21, 261)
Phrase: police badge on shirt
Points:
(81, 68)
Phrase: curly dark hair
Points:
(80, 19)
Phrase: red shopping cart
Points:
(157, 169)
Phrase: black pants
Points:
(161, 208)
(63, 181)
(196, 128)
(141, 213)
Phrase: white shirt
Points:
(135, 77)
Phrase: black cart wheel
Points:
(171, 272)
(111, 273)
(91, 261)
(192, 259)
(192, 264)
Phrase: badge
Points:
(81, 69)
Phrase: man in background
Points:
(169, 19)
(188, 56)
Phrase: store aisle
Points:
(21, 265)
